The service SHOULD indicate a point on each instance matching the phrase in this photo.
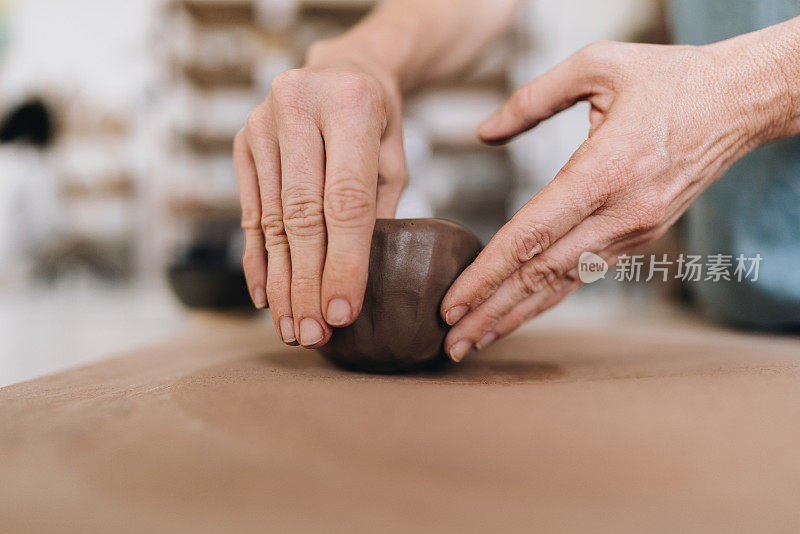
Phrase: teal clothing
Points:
(755, 207)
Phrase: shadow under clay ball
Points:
(413, 262)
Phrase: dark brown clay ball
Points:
(413, 262)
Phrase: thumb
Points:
(541, 98)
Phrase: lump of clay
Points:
(412, 264)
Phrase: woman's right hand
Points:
(317, 162)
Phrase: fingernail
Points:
(454, 315)
(260, 298)
(287, 330)
(489, 124)
(338, 312)
(485, 341)
(459, 350)
(310, 332)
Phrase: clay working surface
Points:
(603, 428)
(413, 262)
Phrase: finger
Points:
(566, 201)
(525, 311)
(254, 259)
(262, 139)
(392, 173)
(302, 175)
(352, 136)
(618, 237)
(543, 277)
(559, 88)
(536, 305)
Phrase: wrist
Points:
(763, 74)
(336, 53)
(783, 58)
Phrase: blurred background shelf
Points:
(148, 95)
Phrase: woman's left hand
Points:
(666, 122)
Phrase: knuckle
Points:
(595, 51)
(607, 58)
(529, 240)
(357, 88)
(287, 87)
(273, 230)
(347, 202)
(542, 275)
(249, 222)
(492, 315)
(256, 121)
(288, 81)
(302, 214)
(525, 244)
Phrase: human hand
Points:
(665, 122)
(317, 162)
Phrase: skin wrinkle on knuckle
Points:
(302, 213)
(348, 203)
(535, 278)
(538, 234)
(524, 246)
(272, 228)
(250, 220)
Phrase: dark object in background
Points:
(412, 264)
(205, 278)
(30, 122)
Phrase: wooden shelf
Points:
(204, 143)
(195, 205)
(222, 12)
(219, 12)
(228, 76)
(121, 186)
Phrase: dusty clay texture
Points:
(648, 424)
(413, 262)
